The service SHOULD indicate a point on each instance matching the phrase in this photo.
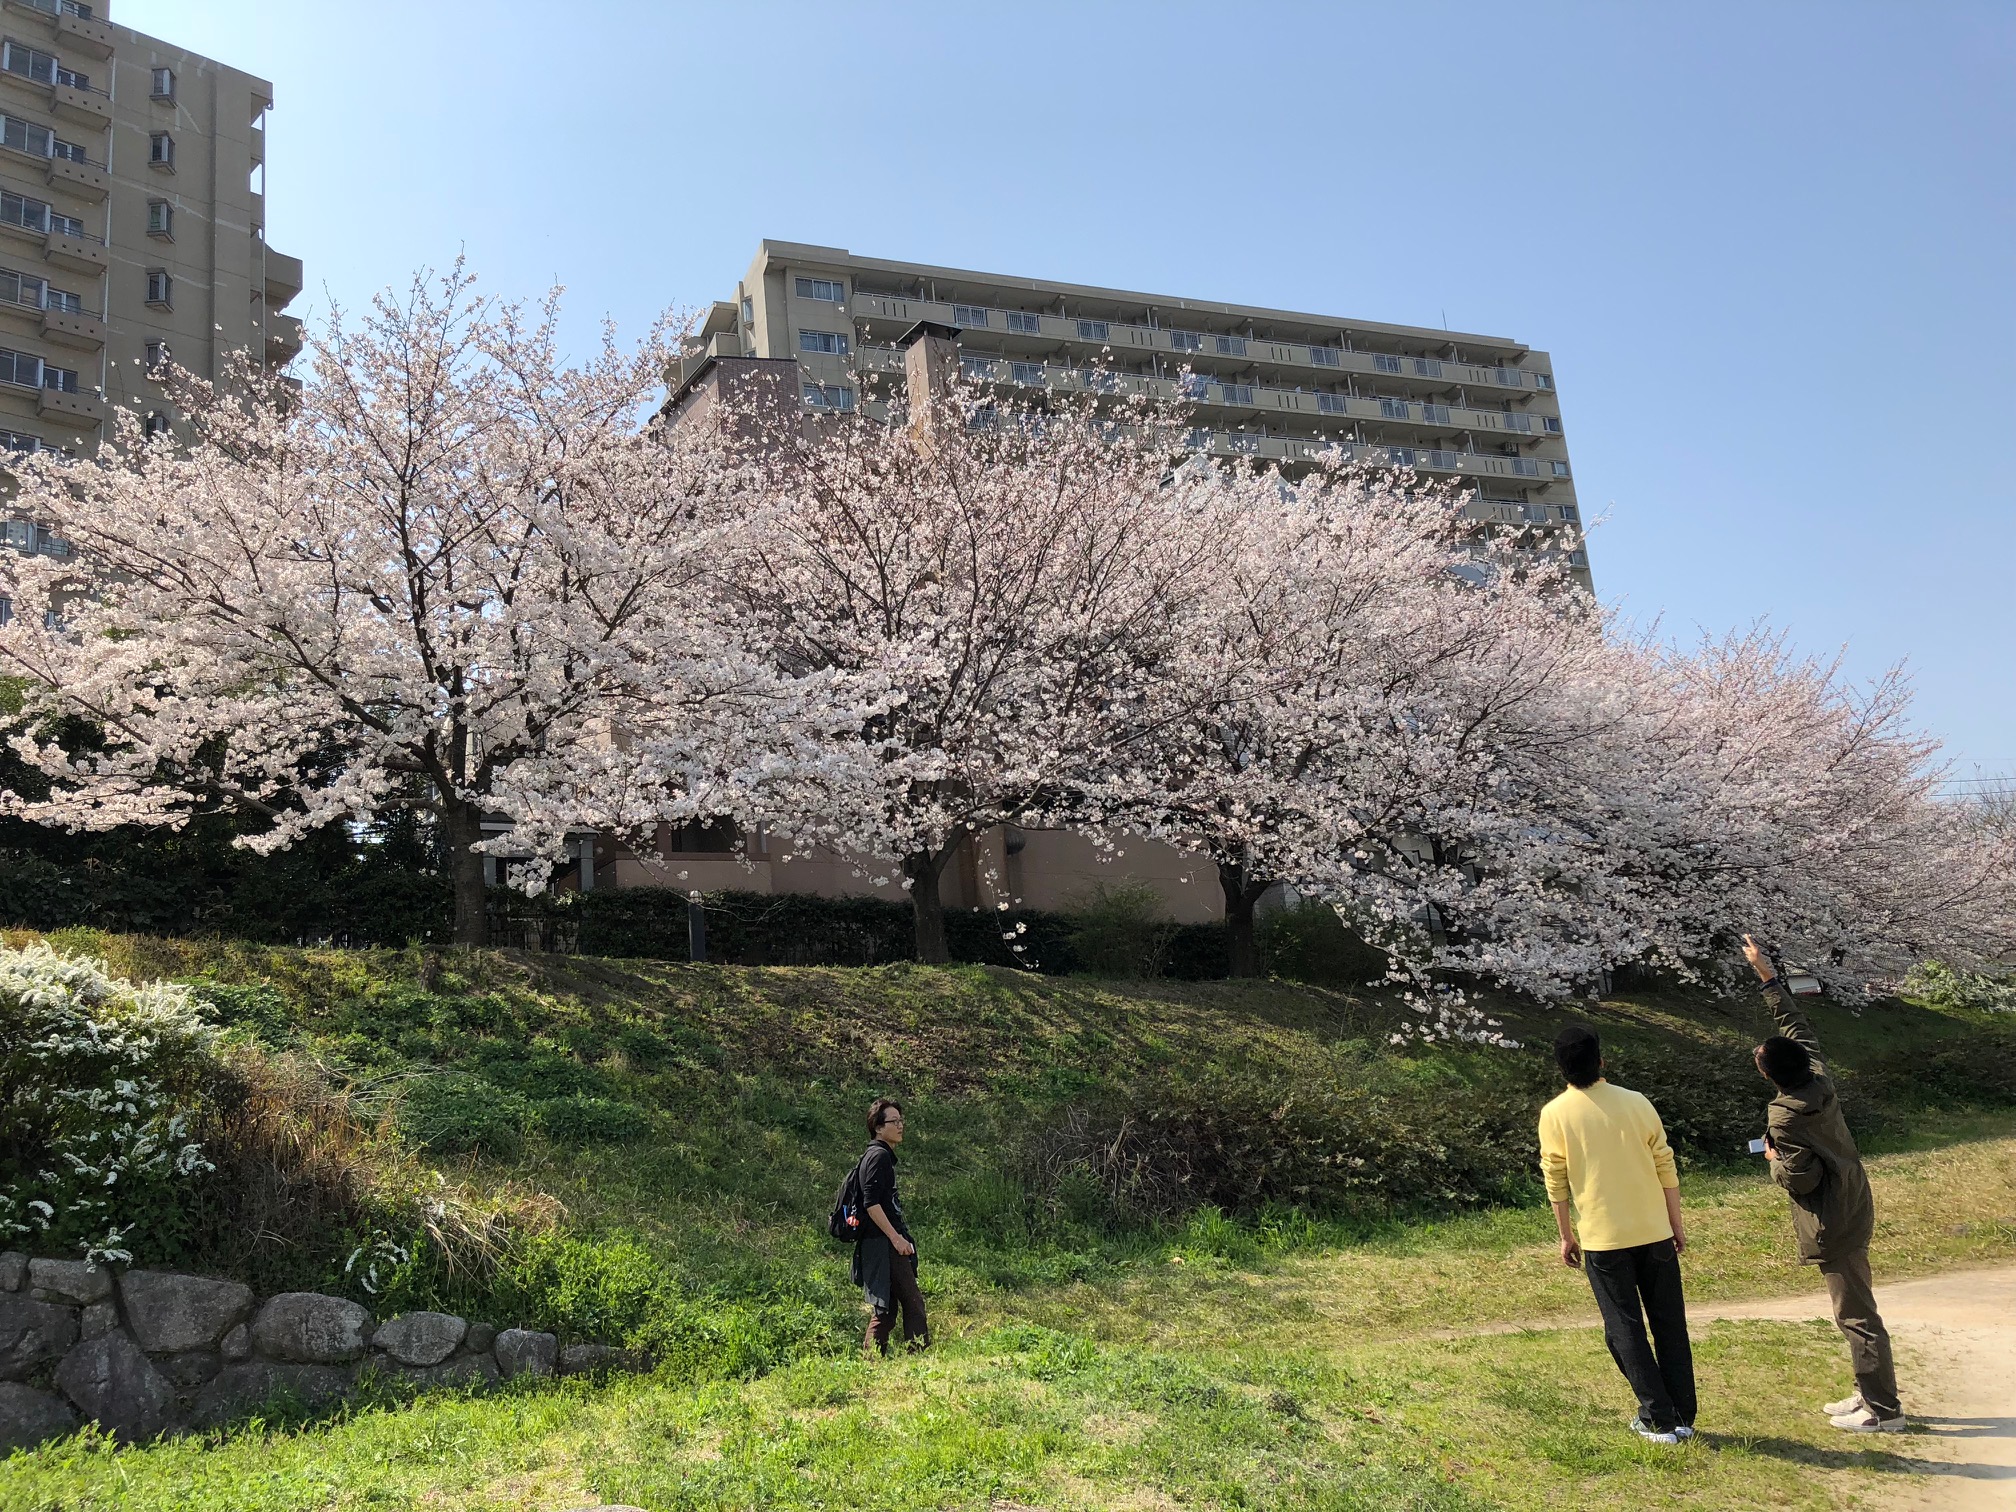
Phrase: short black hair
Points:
(878, 1113)
(1579, 1054)
(1786, 1062)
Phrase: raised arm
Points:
(1785, 1010)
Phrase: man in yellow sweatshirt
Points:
(1605, 1148)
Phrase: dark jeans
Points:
(1634, 1287)
(1855, 1314)
(904, 1295)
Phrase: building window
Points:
(161, 219)
(748, 311)
(1024, 323)
(164, 84)
(969, 317)
(1552, 423)
(1526, 467)
(1092, 330)
(1510, 377)
(1326, 356)
(29, 63)
(161, 151)
(1235, 393)
(823, 341)
(155, 424)
(1521, 423)
(62, 380)
(829, 396)
(19, 441)
(26, 136)
(1231, 346)
(829, 289)
(22, 289)
(1393, 409)
(1100, 380)
(1027, 372)
(1560, 469)
(20, 368)
(160, 288)
(158, 357)
(68, 225)
(1428, 367)
(1333, 404)
(1187, 341)
(1435, 414)
(1385, 364)
(1543, 380)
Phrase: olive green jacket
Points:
(1833, 1213)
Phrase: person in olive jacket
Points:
(1813, 1156)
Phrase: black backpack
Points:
(844, 1222)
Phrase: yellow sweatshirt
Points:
(1606, 1147)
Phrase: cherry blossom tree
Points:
(450, 563)
(1010, 583)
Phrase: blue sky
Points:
(1770, 246)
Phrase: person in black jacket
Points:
(885, 1259)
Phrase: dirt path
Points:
(1956, 1338)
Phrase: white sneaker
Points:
(1845, 1406)
(1652, 1435)
(1683, 1433)
(1862, 1420)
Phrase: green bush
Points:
(1940, 985)
(1121, 930)
(101, 1083)
(591, 1120)
(455, 1113)
(1309, 943)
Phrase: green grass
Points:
(1285, 1359)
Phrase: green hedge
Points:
(797, 929)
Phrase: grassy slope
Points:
(1217, 1366)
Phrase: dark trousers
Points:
(903, 1295)
(1854, 1298)
(1635, 1287)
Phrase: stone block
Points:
(109, 1379)
(192, 1367)
(421, 1338)
(169, 1313)
(468, 1370)
(260, 1385)
(13, 1270)
(75, 1283)
(307, 1328)
(97, 1320)
(28, 1416)
(32, 1334)
(237, 1343)
(596, 1359)
(481, 1338)
(520, 1351)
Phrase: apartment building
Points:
(132, 227)
(1282, 385)
(834, 332)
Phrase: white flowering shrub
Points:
(99, 1082)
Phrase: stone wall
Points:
(144, 1353)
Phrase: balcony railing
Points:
(1123, 337)
(1200, 388)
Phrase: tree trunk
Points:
(462, 824)
(926, 907)
(1241, 893)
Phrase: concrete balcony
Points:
(89, 107)
(77, 35)
(283, 339)
(283, 279)
(77, 253)
(85, 332)
(85, 180)
(84, 409)
(888, 316)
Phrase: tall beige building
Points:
(1479, 411)
(132, 226)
